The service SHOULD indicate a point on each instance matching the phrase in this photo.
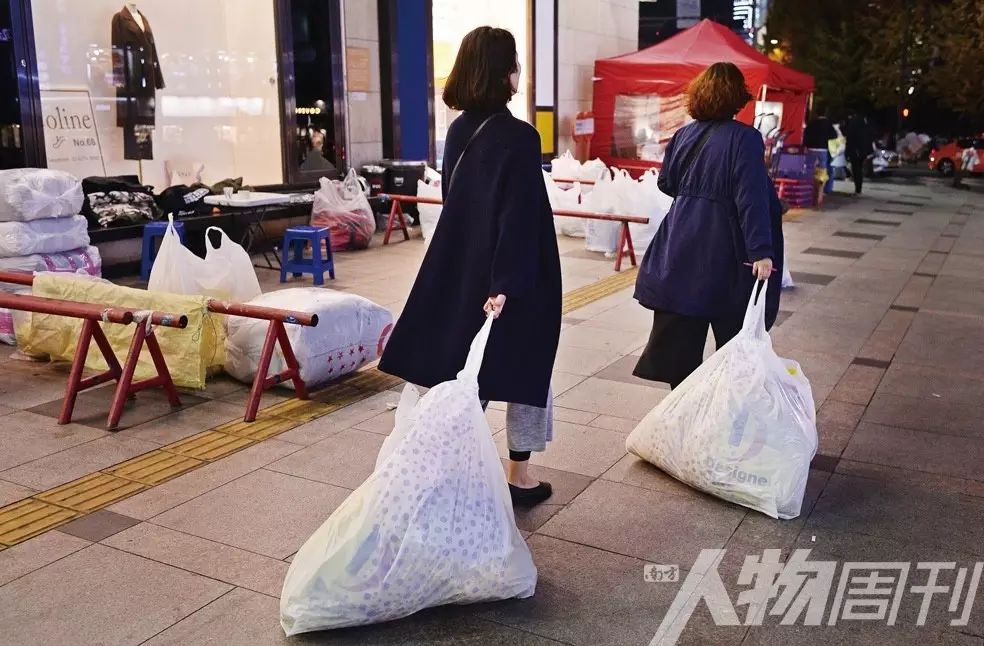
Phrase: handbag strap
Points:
(468, 143)
(688, 161)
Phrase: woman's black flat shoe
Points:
(531, 496)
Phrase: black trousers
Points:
(676, 345)
(857, 173)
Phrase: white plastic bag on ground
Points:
(787, 276)
(429, 214)
(344, 208)
(38, 193)
(647, 200)
(50, 235)
(350, 333)
(600, 235)
(569, 199)
(226, 272)
(432, 525)
(592, 170)
(742, 427)
(565, 167)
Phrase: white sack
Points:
(432, 525)
(601, 236)
(428, 214)
(644, 198)
(351, 332)
(38, 193)
(565, 167)
(787, 276)
(565, 199)
(742, 427)
(50, 235)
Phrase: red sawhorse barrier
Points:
(625, 246)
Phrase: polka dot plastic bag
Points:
(432, 525)
(742, 427)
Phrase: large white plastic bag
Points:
(569, 199)
(742, 427)
(601, 235)
(344, 208)
(644, 198)
(225, 273)
(429, 214)
(38, 193)
(787, 276)
(50, 235)
(229, 270)
(565, 167)
(350, 333)
(432, 525)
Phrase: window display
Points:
(145, 86)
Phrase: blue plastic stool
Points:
(295, 239)
(153, 231)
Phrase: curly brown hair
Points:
(718, 94)
(479, 79)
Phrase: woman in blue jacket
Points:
(494, 252)
(722, 233)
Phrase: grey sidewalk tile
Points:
(939, 339)
(811, 279)
(930, 382)
(656, 526)
(606, 397)
(264, 512)
(833, 253)
(10, 492)
(184, 423)
(922, 414)
(159, 499)
(26, 436)
(74, 462)
(36, 553)
(923, 480)
(100, 595)
(98, 525)
(92, 407)
(891, 510)
(948, 455)
(579, 449)
(208, 558)
(345, 459)
(859, 236)
(858, 384)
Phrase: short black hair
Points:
(479, 79)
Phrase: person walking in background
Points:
(494, 248)
(817, 135)
(723, 232)
(859, 147)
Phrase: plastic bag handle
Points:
(473, 365)
(208, 241)
(754, 323)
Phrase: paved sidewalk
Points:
(887, 320)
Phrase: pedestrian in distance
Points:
(722, 233)
(860, 146)
(494, 253)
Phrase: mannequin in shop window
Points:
(315, 159)
(137, 77)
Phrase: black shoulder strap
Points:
(688, 161)
(468, 143)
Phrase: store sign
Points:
(358, 74)
(71, 140)
(584, 127)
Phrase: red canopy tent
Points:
(639, 97)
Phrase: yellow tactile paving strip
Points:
(47, 510)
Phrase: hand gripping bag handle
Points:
(473, 365)
(754, 324)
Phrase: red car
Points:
(946, 158)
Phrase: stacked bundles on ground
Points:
(41, 229)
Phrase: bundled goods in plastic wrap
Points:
(569, 199)
(225, 273)
(602, 236)
(190, 352)
(350, 333)
(84, 261)
(343, 207)
(51, 235)
(38, 193)
(428, 214)
(742, 427)
(432, 525)
(565, 167)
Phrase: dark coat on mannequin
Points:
(136, 70)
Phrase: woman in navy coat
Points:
(494, 252)
(722, 233)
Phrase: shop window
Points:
(644, 124)
(450, 26)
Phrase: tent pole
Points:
(765, 89)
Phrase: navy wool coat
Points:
(495, 236)
(725, 213)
